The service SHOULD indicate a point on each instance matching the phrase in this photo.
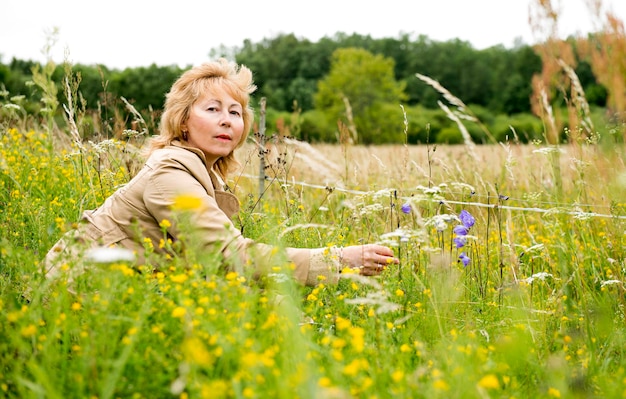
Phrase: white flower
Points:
(429, 190)
(538, 276)
(370, 209)
(110, 255)
(440, 222)
(384, 193)
(104, 145)
(279, 277)
(12, 106)
(549, 150)
(376, 299)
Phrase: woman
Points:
(206, 117)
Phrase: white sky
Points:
(127, 33)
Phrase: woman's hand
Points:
(370, 259)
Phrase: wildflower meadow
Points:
(510, 282)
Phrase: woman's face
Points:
(215, 125)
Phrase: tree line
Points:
(351, 86)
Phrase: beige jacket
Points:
(133, 213)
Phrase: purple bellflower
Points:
(460, 241)
(406, 208)
(464, 258)
(467, 221)
(460, 230)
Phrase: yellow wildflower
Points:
(165, 224)
(397, 375)
(187, 202)
(489, 381)
(179, 312)
(441, 385)
(179, 278)
(554, 393)
(29, 330)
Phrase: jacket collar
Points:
(217, 181)
(177, 143)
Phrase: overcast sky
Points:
(127, 33)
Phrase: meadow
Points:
(510, 282)
(526, 300)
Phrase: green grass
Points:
(538, 312)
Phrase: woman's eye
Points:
(235, 113)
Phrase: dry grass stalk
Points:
(317, 161)
(543, 19)
(577, 105)
(406, 147)
(543, 109)
(510, 160)
(463, 112)
(446, 94)
(69, 112)
(354, 138)
(467, 139)
(606, 53)
(346, 141)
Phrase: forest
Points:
(380, 90)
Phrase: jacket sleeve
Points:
(311, 265)
(216, 231)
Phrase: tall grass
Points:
(539, 310)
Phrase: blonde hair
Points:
(193, 84)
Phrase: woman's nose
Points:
(225, 119)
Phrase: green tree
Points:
(451, 63)
(286, 69)
(511, 77)
(355, 91)
(145, 87)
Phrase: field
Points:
(528, 303)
